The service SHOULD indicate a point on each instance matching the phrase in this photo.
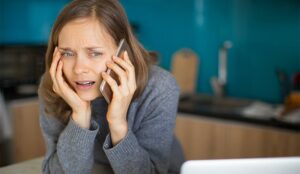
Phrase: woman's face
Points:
(85, 48)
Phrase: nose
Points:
(81, 66)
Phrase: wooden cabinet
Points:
(28, 142)
(205, 138)
(201, 137)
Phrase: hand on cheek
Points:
(80, 109)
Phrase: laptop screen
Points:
(286, 165)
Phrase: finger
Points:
(59, 76)
(128, 69)
(66, 92)
(112, 83)
(55, 59)
(119, 71)
(131, 77)
(122, 63)
(127, 59)
(53, 69)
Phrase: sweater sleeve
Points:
(69, 147)
(147, 150)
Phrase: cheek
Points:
(99, 67)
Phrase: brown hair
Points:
(111, 15)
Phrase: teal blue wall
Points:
(164, 26)
(27, 21)
(265, 35)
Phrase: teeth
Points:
(85, 83)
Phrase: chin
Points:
(88, 96)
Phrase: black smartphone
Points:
(104, 87)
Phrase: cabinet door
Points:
(28, 142)
(203, 138)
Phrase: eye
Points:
(96, 54)
(67, 54)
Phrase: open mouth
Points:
(83, 85)
(86, 83)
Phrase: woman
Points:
(132, 134)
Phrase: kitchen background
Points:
(263, 39)
(265, 36)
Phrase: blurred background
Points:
(237, 63)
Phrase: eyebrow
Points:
(88, 48)
(65, 49)
(93, 48)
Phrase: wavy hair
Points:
(112, 16)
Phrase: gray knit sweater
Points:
(149, 147)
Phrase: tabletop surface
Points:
(27, 167)
(34, 166)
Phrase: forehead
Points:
(84, 32)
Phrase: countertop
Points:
(34, 166)
(27, 167)
(216, 110)
(228, 111)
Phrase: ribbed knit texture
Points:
(149, 146)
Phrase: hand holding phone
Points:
(104, 87)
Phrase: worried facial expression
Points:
(85, 48)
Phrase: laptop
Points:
(282, 165)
